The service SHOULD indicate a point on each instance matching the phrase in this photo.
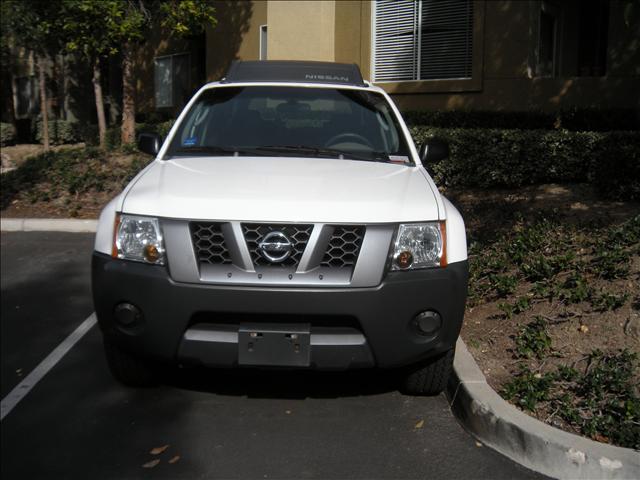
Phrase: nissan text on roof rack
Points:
(287, 220)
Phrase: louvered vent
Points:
(423, 39)
(396, 48)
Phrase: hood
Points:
(262, 189)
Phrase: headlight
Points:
(419, 245)
(138, 238)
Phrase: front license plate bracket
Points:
(276, 345)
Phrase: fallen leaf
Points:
(158, 450)
(174, 459)
(420, 424)
(151, 464)
(600, 438)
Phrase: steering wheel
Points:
(345, 136)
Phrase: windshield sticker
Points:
(188, 142)
(398, 159)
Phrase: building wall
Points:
(353, 33)
(235, 37)
(301, 30)
(159, 44)
(505, 51)
(507, 80)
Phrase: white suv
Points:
(287, 221)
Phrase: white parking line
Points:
(30, 381)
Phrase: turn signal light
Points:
(404, 259)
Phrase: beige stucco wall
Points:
(353, 34)
(301, 30)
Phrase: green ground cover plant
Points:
(575, 271)
(600, 401)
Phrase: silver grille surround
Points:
(185, 266)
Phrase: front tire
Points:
(128, 369)
(430, 377)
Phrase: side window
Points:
(27, 97)
(171, 79)
(263, 42)
(548, 41)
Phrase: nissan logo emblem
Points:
(275, 247)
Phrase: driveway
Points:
(77, 422)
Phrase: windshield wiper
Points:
(210, 149)
(322, 151)
(299, 149)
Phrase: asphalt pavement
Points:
(78, 422)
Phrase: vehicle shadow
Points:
(289, 384)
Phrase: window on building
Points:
(172, 82)
(263, 42)
(422, 40)
(27, 97)
(548, 41)
(593, 37)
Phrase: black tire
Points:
(128, 369)
(430, 377)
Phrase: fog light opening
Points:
(428, 323)
(127, 314)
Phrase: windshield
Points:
(291, 121)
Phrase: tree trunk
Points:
(97, 89)
(42, 86)
(128, 97)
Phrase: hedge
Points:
(60, 132)
(7, 134)
(512, 158)
(574, 119)
(89, 133)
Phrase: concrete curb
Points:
(48, 225)
(524, 439)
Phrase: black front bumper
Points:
(196, 322)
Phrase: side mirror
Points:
(149, 143)
(433, 150)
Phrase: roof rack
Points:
(294, 71)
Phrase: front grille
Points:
(344, 246)
(297, 234)
(209, 244)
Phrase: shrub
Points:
(573, 119)
(89, 133)
(67, 172)
(60, 132)
(161, 128)
(7, 134)
(616, 171)
(512, 158)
